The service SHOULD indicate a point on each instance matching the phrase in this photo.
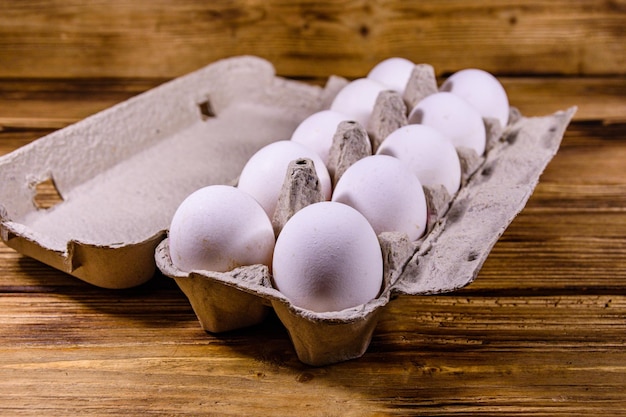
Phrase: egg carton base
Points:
(447, 259)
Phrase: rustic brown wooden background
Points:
(164, 39)
(542, 331)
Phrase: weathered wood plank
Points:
(596, 98)
(125, 38)
(52, 104)
(436, 355)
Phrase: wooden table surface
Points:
(542, 330)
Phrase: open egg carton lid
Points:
(122, 173)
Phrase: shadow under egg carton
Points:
(461, 231)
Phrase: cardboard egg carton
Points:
(123, 172)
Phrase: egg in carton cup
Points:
(122, 173)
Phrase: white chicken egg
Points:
(428, 153)
(264, 174)
(482, 90)
(357, 99)
(317, 131)
(454, 117)
(387, 193)
(327, 258)
(393, 72)
(219, 228)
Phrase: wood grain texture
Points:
(131, 38)
(541, 332)
(44, 105)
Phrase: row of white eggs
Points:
(327, 256)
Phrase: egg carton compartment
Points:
(122, 173)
